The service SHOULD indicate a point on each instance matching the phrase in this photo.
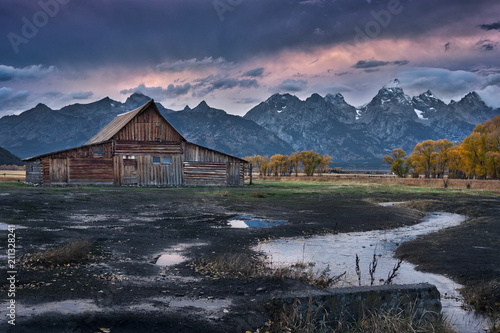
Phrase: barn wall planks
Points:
(34, 172)
(90, 170)
(149, 126)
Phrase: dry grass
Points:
(12, 175)
(461, 184)
(485, 298)
(73, 252)
(237, 265)
(315, 318)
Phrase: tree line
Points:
(309, 162)
(476, 157)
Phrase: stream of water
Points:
(337, 253)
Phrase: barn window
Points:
(167, 160)
(156, 160)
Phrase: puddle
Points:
(170, 259)
(63, 307)
(390, 204)
(246, 221)
(338, 252)
(174, 255)
(5, 226)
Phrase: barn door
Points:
(130, 171)
(59, 170)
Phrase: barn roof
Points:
(121, 121)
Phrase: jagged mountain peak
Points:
(335, 99)
(137, 99)
(472, 98)
(391, 95)
(314, 98)
(277, 96)
(202, 106)
(41, 106)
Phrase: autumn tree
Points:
(398, 162)
(261, 164)
(295, 162)
(442, 157)
(323, 163)
(424, 156)
(310, 160)
(279, 164)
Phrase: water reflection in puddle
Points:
(246, 221)
(174, 255)
(338, 252)
(5, 226)
(170, 259)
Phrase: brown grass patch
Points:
(73, 252)
(12, 175)
(238, 265)
(491, 185)
(484, 297)
(315, 319)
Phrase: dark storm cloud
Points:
(193, 64)
(492, 26)
(9, 98)
(171, 91)
(211, 83)
(290, 85)
(486, 45)
(365, 64)
(82, 94)
(256, 72)
(34, 72)
(146, 33)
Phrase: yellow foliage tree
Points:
(424, 157)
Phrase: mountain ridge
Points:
(281, 124)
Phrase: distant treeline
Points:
(309, 162)
(12, 167)
(476, 157)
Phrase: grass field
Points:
(12, 175)
(456, 184)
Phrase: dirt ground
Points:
(121, 289)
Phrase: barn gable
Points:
(145, 123)
(142, 148)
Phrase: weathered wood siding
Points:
(34, 172)
(84, 165)
(203, 166)
(205, 173)
(148, 126)
(140, 169)
(131, 147)
(90, 171)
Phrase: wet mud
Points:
(123, 287)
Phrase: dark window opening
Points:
(156, 160)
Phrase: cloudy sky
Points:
(236, 53)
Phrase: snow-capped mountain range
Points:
(281, 124)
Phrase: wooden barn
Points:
(140, 148)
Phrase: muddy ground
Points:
(120, 287)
